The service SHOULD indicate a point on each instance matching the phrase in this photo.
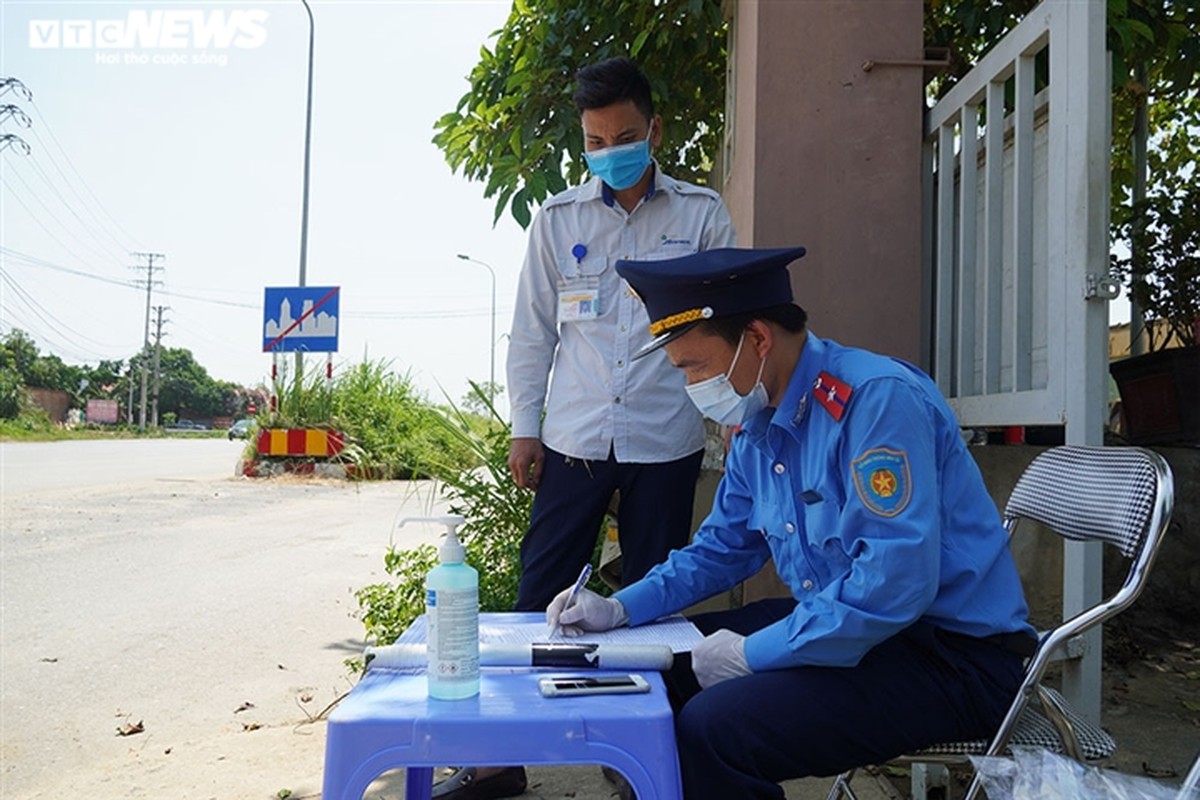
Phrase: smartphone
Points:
(571, 685)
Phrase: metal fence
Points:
(1016, 207)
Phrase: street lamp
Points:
(304, 204)
(492, 382)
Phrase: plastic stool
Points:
(389, 721)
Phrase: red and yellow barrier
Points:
(300, 442)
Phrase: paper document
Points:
(676, 632)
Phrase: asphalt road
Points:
(143, 583)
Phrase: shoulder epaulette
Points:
(690, 188)
(832, 394)
(562, 198)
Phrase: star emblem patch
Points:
(882, 480)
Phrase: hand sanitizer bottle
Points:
(451, 618)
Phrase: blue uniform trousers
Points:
(654, 517)
(739, 738)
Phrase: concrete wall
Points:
(54, 401)
(828, 156)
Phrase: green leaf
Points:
(538, 186)
(640, 40)
(520, 208)
(1141, 29)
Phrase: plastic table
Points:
(388, 721)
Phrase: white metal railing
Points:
(1017, 193)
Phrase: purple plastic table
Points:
(388, 721)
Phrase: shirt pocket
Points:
(823, 530)
(787, 549)
(580, 299)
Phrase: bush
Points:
(391, 431)
(12, 393)
(31, 423)
(496, 511)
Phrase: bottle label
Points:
(452, 616)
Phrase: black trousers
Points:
(739, 738)
(654, 517)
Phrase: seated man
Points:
(906, 623)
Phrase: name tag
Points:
(578, 303)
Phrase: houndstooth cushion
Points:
(1111, 493)
(1034, 730)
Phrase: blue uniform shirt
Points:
(860, 487)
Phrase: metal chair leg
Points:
(841, 787)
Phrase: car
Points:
(241, 429)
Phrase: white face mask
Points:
(719, 401)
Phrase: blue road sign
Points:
(300, 318)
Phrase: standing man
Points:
(610, 423)
(906, 623)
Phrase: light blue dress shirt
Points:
(875, 520)
(579, 370)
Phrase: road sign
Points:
(300, 318)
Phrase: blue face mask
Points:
(620, 166)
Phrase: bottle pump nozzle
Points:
(451, 551)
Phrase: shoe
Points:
(624, 790)
(462, 785)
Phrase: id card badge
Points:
(579, 300)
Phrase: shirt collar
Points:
(797, 399)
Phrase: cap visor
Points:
(659, 341)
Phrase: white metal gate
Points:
(1016, 199)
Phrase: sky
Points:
(194, 149)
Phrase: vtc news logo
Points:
(157, 29)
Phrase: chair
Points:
(1121, 496)
(1190, 790)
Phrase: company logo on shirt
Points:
(881, 478)
(668, 241)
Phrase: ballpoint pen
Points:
(580, 582)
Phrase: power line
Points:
(53, 323)
(50, 131)
(33, 261)
(54, 216)
(91, 228)
(7, 111)
(367, 315)
(41, 224)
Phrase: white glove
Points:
(589, 612)
(719, 657)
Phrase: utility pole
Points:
(157, 353)
(150, 269)
(129, 408)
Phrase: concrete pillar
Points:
(826, 155)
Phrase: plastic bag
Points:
(1037, 774)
